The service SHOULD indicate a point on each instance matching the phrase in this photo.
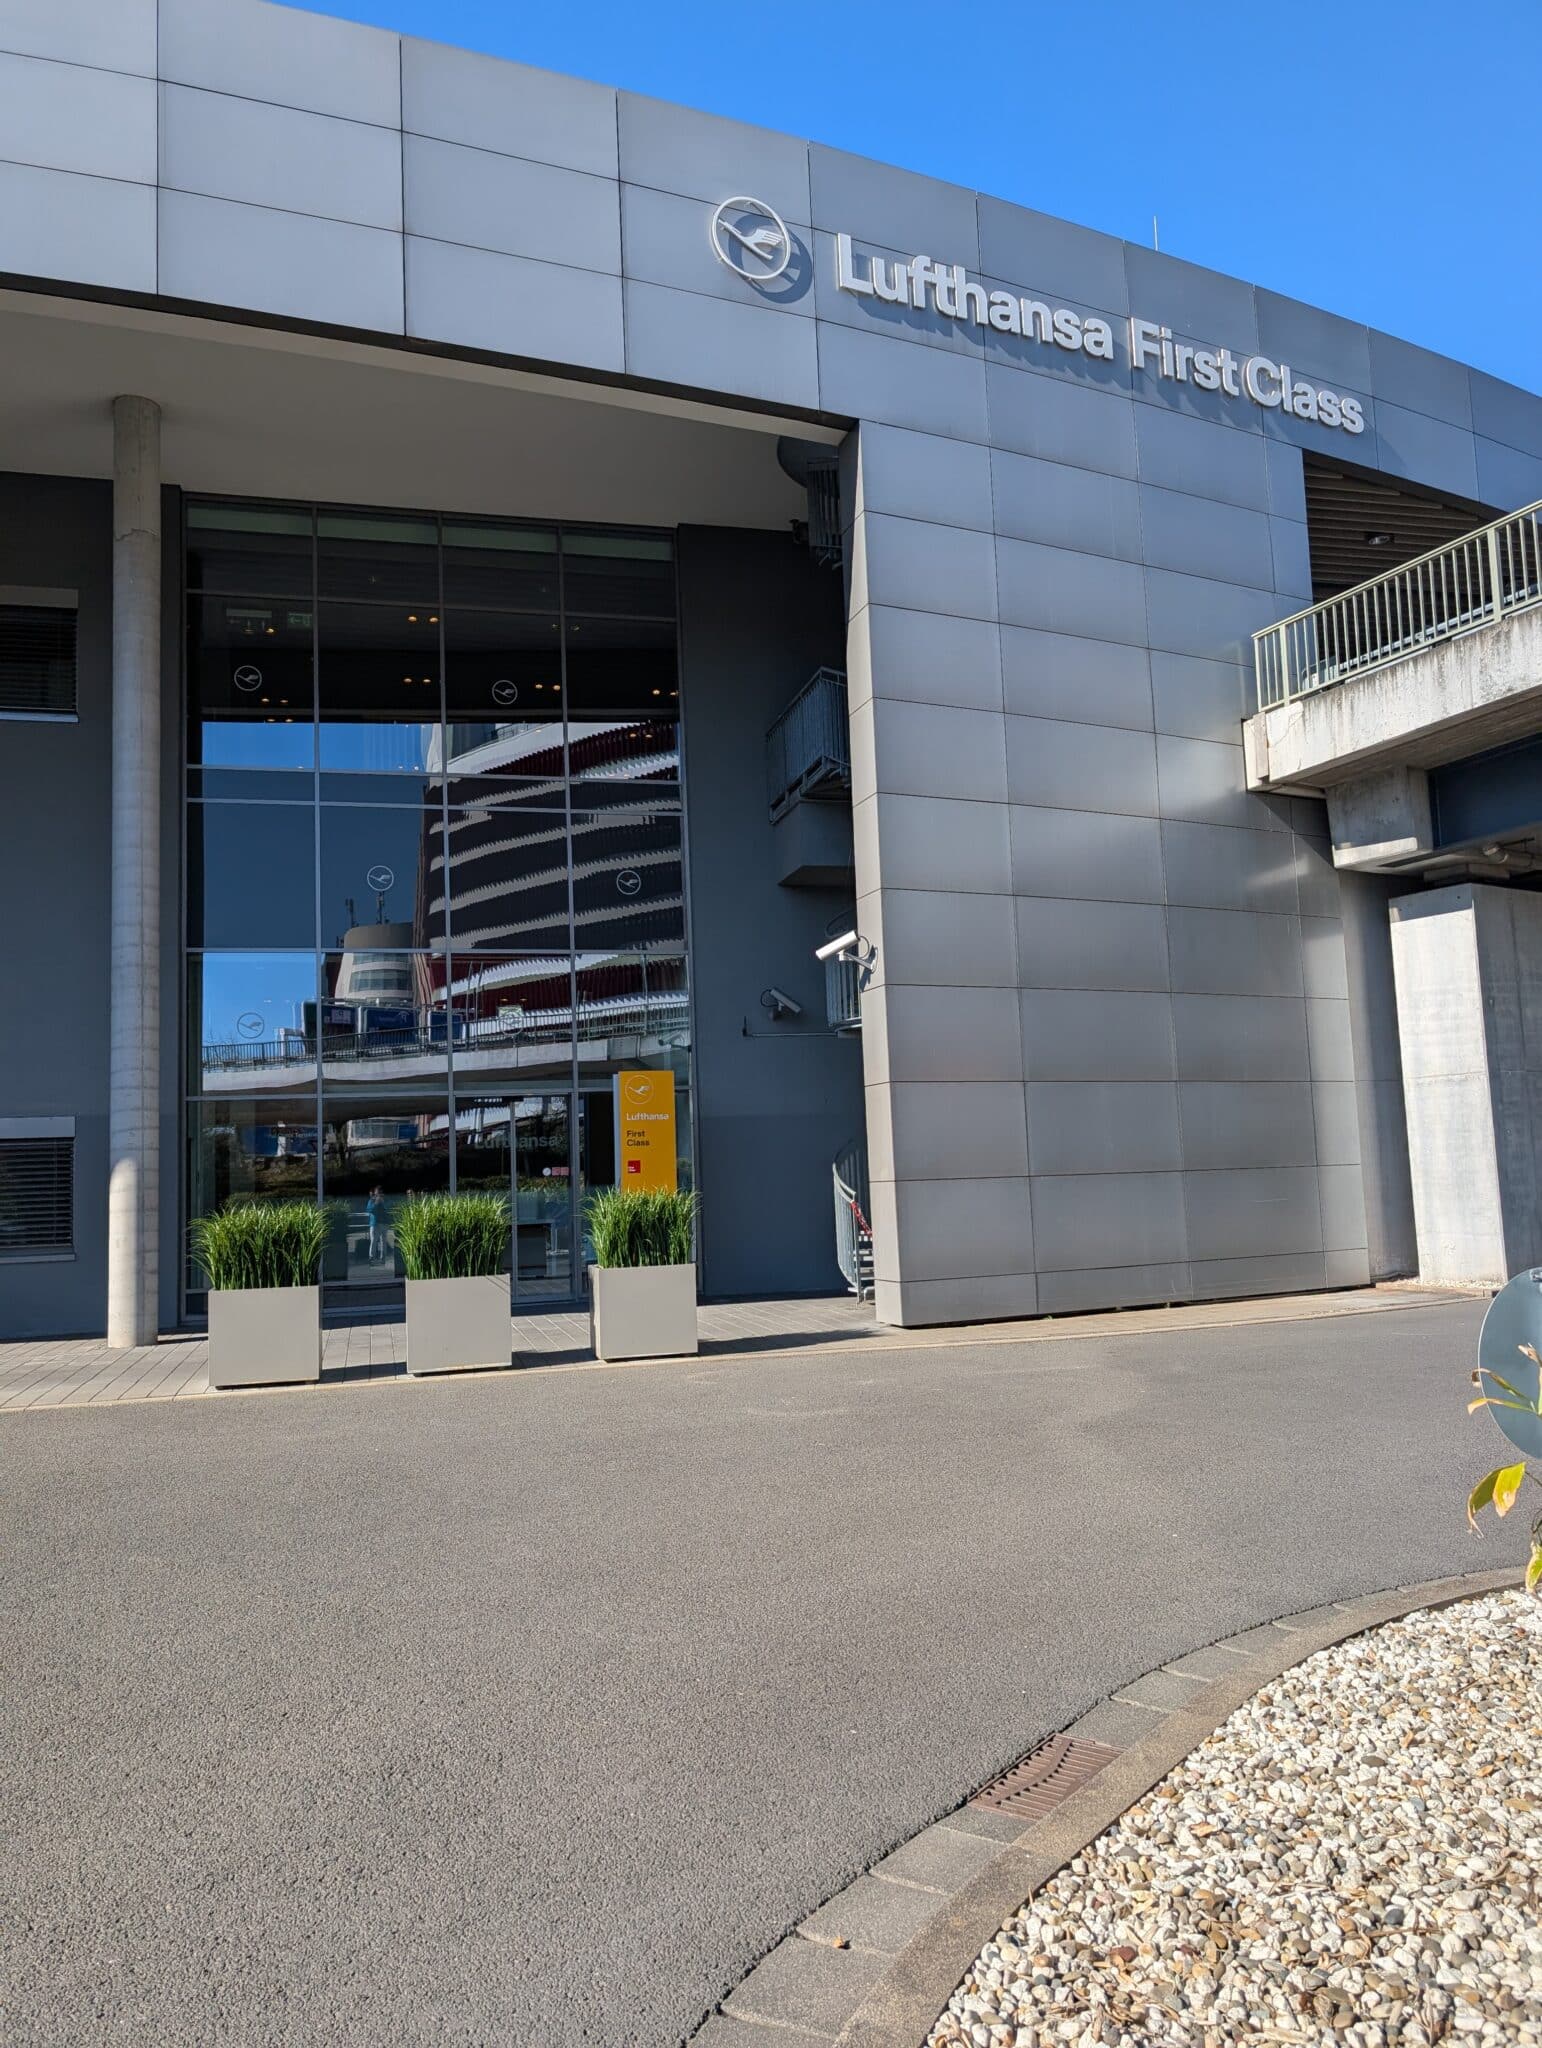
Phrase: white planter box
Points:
(458, 1325)
(642, 1311)
(264, 1336)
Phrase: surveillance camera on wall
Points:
(833, 946)
(779, 1003)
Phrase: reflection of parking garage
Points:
(432, 760)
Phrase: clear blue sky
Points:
(1377, 159)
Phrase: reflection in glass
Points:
(378, 670)
(522, 1145)
(384, 556)
(252, 1022)
(262, 548)
(382, 877)
(628, 882)
(249, 682)
(263, 1151)
(384, 1020)
(254, 785)
(512, 568)
(623, 701)
(407, 790)
(503, 694)
(509, 880)
(618, 574)
(633, 1010)
(513, 1019)
(376, 1150)
(251, 876)
(419, 705)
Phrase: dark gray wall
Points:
(757, 617)
(55, 821)
(56, 835)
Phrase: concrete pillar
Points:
(133, 1189)
(1468, 966)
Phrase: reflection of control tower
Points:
(375, 980)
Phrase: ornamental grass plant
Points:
(452, 1237)
(260, 1244)
(642, 1227)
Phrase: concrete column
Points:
(133, 1250)
(1468, 966)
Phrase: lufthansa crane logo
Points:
(751, 239)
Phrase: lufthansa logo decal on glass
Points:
(751, 239)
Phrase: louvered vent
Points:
(37, 658)
(37, 1196)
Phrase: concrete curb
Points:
(962, 1878)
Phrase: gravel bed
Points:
(1355, 1857)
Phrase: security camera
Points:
(833, 946)
(779, 1003)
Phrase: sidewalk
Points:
(79, 1372)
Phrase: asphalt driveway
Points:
(533, 1709)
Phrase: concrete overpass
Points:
(1412, 705)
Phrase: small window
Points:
(37, 1197)
(37, 658)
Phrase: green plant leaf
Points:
(1481, 1495)
(637, 1227)
(1507, 1484)
(453, 1237)
(1534, 1569)
(260, 1244)
(1486, 1373)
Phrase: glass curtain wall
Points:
(435, 894)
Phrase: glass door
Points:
(543, 1199)
(596, 1159)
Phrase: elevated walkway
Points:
(1360, 698)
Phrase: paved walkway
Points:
(80, 1372)
(539, 1706)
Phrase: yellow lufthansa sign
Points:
(645, 1129)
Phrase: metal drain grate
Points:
(1046, 1775)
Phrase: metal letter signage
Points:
(645, 1129)
(948, 290)
(753, 241)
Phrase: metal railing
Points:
(853, 1233)
(843, 993)
(1473, 581)
(663, 1015)
(808, 748)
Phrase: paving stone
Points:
(1207, 1664)
(724, 2031)
(942, 1856)
(872, 1913)
(1256, 1640)
(1115, 1724)
(1311, 1617)
(804, 1984)
(1162, 1689)
(983, 1820)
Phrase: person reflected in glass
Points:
(375, 1215)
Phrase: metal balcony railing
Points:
(843, 993)
(808, 748)
(1484, 576)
